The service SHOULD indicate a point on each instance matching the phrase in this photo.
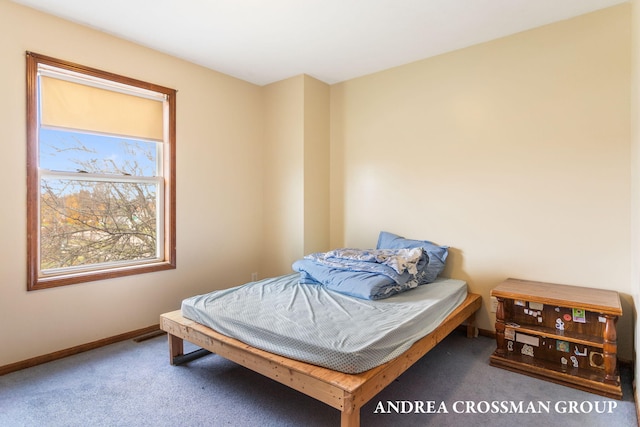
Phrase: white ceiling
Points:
(263, 41)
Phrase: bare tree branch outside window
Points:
(93, 222)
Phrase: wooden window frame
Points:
(35, 280)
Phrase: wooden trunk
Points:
(564, 334)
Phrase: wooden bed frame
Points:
(345, 392)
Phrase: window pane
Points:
(75, 151)
(84, 222)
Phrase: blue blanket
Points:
(367, 274)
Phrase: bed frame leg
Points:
(350, 415)
(176, 349)
(350, 419)
(472, 331)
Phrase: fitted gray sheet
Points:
(319, 326)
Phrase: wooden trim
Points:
(345, 392)
(33, 195)
(105, 75)
(29, 363)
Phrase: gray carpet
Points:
(133, 384)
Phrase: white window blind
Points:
(70, 105)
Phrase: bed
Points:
(320, 339)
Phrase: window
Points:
(100, 174)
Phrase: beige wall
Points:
(284, 175)
(296, 178)
(219, 191)
(514, 152)
(316, 165)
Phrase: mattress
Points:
(316, 325)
